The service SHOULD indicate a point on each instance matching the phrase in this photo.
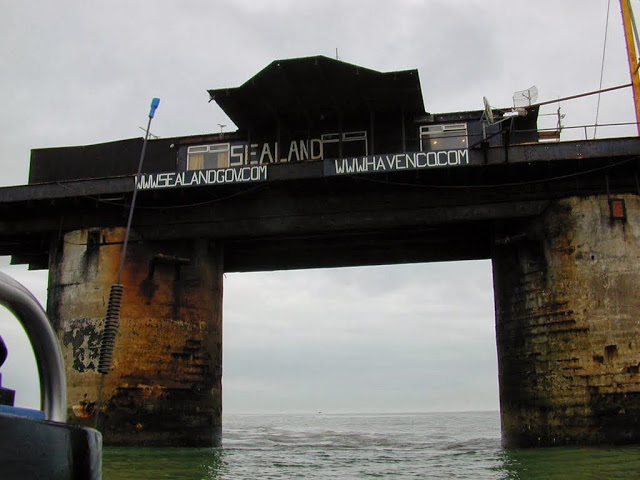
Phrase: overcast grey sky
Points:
(394, 338)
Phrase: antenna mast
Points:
(632, 56)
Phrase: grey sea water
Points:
(346, 446)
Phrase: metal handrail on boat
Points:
(21, 302)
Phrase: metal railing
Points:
(564, 133)
(21, 302)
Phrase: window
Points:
(443, 137)
(204, 157)
(354, 144)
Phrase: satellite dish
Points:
(487, 110)
(524, 98)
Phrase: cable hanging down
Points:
(604, 50)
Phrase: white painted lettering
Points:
(351, 167)
(146, 183)
(316, 149)
(389, 160)
(237, 155)
(293, 147)
(253, 154)
(265, 155)
(164, 179)
(304, 150)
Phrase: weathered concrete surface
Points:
(165, 385)
(567, 321)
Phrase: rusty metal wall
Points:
(567, 320)
(165, 386)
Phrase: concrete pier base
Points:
(567, 321)
(165, 385)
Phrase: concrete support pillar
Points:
(165, 385)
(567, 321)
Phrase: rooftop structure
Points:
(299, 110)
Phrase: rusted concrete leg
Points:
(567, 322)
(165, 386)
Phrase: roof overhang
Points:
(307, 91)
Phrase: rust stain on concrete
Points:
(165, 385)
(567, 367)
